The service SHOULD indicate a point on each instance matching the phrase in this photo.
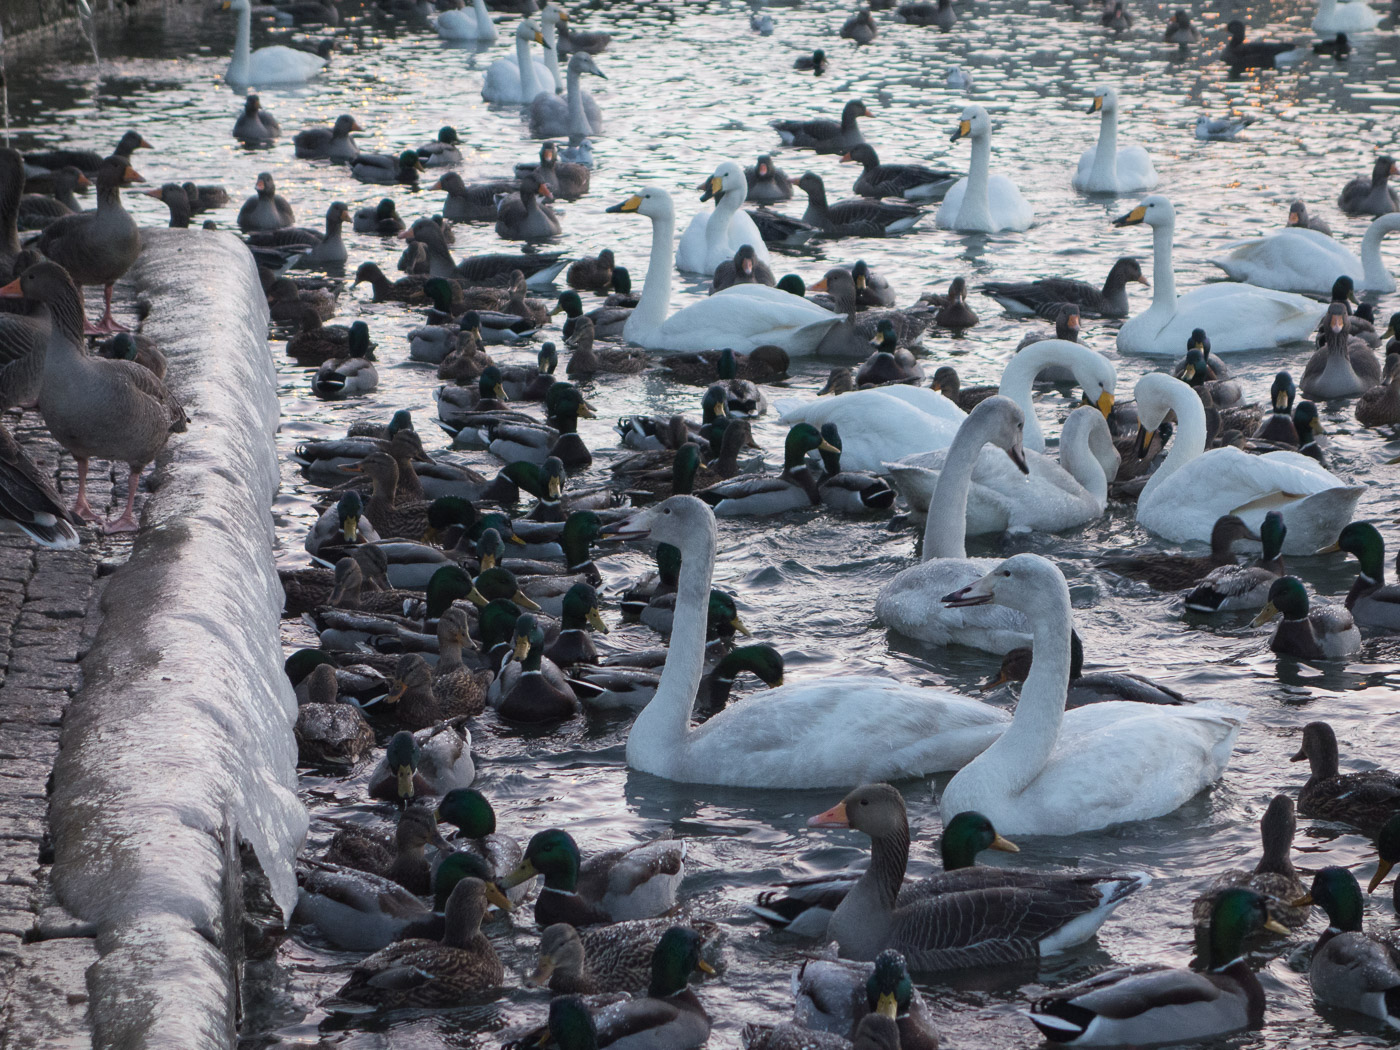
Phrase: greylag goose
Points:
(1343, 367)
(565, 180)
(205, 198)
(255, 126)
(1373, 196)
(472, 203)
(335, 143)
(1044, 297)
(853, 218)
(539, 268)
(28, 503)
(1255, 54)
(1066, 328)
(744, 268)
(37, 209)
(768, 184)
(85, 160)
(1298, 216)
(174, 197)
(95, 407)
(11, 190)
(852, 338)
(523, 217)
(825, 136)
(266, 209)
(860, 27)
(910, 181)
(97, 247)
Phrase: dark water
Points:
(689, 86)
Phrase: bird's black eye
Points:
(1006, 572)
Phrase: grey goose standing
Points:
(266, 209)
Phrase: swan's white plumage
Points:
(1103, 167)
(714, 235)
(267, 66)
(983, 202)
(473, 24)
(875, 427)
(1352, 16)
(1297, 259)
(520, 77)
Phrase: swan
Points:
(1107, 169)
(552, 117)
(1056, 496)
(1351, 16)
(874, 433)
(831, 732)
(1298, 259)
(982, 203)
(1192, 488)
(475, 24)
(909, 603)
(742, 317)
(714, 236)
(521, 78)
(1237, 316)
(550, 18)
(267, 65)
(1059, 773)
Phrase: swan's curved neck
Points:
(526, 62)
(551, 60)
(1163, 276)
(238, 71)
(976, 210)
(1078, 459)
(1372, 265)
(1189, 440)
(1019, 377)
(651, 309)
(945, 529)
(1106, 154)
(717, 228)
(578, 121)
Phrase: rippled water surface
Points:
(688, 86)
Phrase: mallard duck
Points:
(1365, 800)
(329, 733)
(1138, 1004)
(1274, 877)
(471, 814)
(1308, 426)
(849, 491)
(1387, 854)
(1232, 586)
(430, 974)
(343, 523)
(764, 494)
(592, 273)
(1174, 572)
(838, 997)
(1380, 405)
(563, 406)
(349, 587)
(1087, 688)
(813, 63)
(400, 860)
(421, 700)
(585, 361)
(635, 883)
(612, 958)
(532, 688)
(953, 311)
(125, 347)
(875, 1031)
(1277, 426)
(579, 616)
(384, 169)
(391, 517)
(947, 383)
(345, 377)
(431, 761)
(763, 661)
(1326, 632)
(653, 433)
(382, 218)
(1371, 601)
(889, 363)
(354, 910)
(1350, 968)
(455, 687)
(531, 382)
(443, 150)
(607, 321)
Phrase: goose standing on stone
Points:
(266, 209)
(1104, 168)
(267, 65)
(712, 237)
(982, 202)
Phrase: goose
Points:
(266, 66)
(859, 217)
(1115, 16)
(860, 27)
(1138, 1005)
(570, 117)
(539, 268)
(911, 181)
(909, 602)
(927, 13)
(266, 209)
(1242, 316)
(743, 317)
(713, 237)
(523, 217)
(1298, 216)
(595, 42)
(1067, 325)
(1373, 196)
(1352, 969)
(1193, 487)
(1300, 259)
(1180, 30)
(1045, 296)
(792, 727)
(1231, 586)
(255, 126)
(519, 79)
(329, 143)
(1105, 168)
(744, 268)
(1365, 800)
(1342, 367)
(1256, 54)
(1321, 632)
(1274, 877)
(982, 202)
(768, 184)
(461, 24)
(1060, 773)
(825, 136)
(1348, 16)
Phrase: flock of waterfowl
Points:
(455, 591)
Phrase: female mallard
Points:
(404, 863)
(762, 365)
(420, 701)
(533, 689)
(1380, 405)
(307, 589)
(329, 733)
(1371, 601)
(1323, 633)
(1350, 968)
(764, 494)
(455, 688)
(405, 290)
(408, 518)
(1365, 800)
(315, 343)
(838, 997)
(586, 361)
(430, 974)
(1274, 877)
(612, 958)
(1087, 688)
(1387, 854)
(849, 491)
(1174, 572)
(953, 312)
(429, 762)
(1140, 1004)
(1243, 586)
(467, 810)
(580, 615)
(635, 883)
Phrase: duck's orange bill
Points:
(11, 290)
(835, 817)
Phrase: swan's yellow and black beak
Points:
(1132, 218)
(1097, 104)
(964, 128)
(712, 187)
(1105, 403)
(632, 203)
(1144, 439)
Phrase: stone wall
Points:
(24, 16)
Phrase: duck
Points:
(523, 217)
(574, 117)
(1380, 405)
(1067, 326)
(591, 273)
(607, 321)
(381, 218)
(1277, 427)
(99, 246)
(1373, 196)
(839, 997)
(768, 184)
(1229, 586)
(266, 209)
(355, 910)
(454, 686)
(1322, 632)
(1273, 878)
(585, 361)
(892, 365)
(1192, 488)
(1351, 969)
(764, 494)
(267, 66)
(639, 882)
(431, 761)
(1180, 30)
(1087, 688)
(953, 311)
(612, 958)
(825, 136)
(94, 406)
(860, 27)
(1242, 316)
(1045, 296)
(713, 237)
(518, 79)
(1301, 259)
(1365, 800)
(471, 814)
(1105, 168)
(813, 63)
(859, 217)
(790, 726)
(382, 169)
(1342, 367)
(567, 180)
(913, 182)
(1131, 1004)
(927, 13)
(341, 523)
(1018, 919)
(1334, 17)
(1115, 16)
(256, 126)
(334, 143)
(345, 377)
(1055, 772)
(849, 492)
(1174, 572)
(1240, 54)
(1371, 601)
(399, 858)
(1387, 854)
(742, 317)
(420, 700)
(981, 202)
(535, 690)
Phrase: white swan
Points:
(982, 202)
(875, 433)
(832, 732)
(741, 317)
(1237, 316)
(1059, 773)
(714, 236)
(550, 18)
(461, 24)
(519, 78)
(1352, 16)
(1105, 168)
(1192, 488)
(552, 117)
(1297, 259)
(267, 65)
(1054, 497)
(911, 602)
